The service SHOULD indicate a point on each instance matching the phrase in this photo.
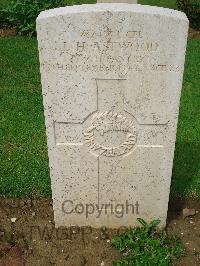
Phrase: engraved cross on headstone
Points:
(110, 131)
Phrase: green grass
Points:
(4, 3)
(146, 245)
(24, 160)
(162, 3)
(186, 171)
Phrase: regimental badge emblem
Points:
(110, 134)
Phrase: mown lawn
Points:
(186, 171)
(23, 151)
(24, 161)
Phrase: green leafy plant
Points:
(147, 246)
(23, 13)
(192, 10)
(6, 20)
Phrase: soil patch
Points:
(6, 32)
(194, 33)
(28, 236)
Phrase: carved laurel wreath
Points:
(110, 121)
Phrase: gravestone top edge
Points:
(102, 7)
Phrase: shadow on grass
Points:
(185, 171)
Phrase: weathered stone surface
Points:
(111, 81)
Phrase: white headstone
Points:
(111, 81)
